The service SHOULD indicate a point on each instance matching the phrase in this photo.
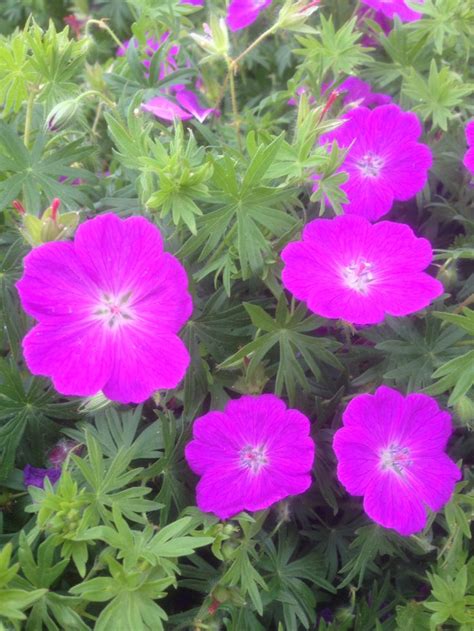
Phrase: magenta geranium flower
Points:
(350, 269)
(243, 13)
(469, 157)
(385, 162)
(392, 8)
(109, 307)
(391, 451)
(253, 454)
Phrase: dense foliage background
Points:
(119, 543)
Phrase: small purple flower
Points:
(469, 157)
(385, 162)
(347, 268)
(196, 3)
(109, 307)
(243, 13)
(250, 456)
(391, 450)
(34, 476)
(392, 8)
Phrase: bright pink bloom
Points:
(469, 157)
(243, 13)
(109, 306)
(385, 163)
(253, 454)
(391, 450)
(350, 269)
(376, 16)
(392, 8)
(164, 108)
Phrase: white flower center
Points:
(395, 458)
(253, 458)
(358, 275)
(114, 311)
(370, 164)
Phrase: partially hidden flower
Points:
(196, 3)
(385, 162)
(187, 107)
(347, 268)
(469, 157)
(398, 8)
(391, 450)
(253, 454)
(61, 450)
(109, 307)
(243, 13)
(357, 92)
(34, 476)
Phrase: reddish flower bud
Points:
(18, 206)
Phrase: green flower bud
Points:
(61, 115)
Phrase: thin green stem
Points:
(103, 25)
(28, 118)
(259, 39)
(235, 108)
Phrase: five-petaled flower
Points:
(109, 306)
(350, 269)
(385, 162)
(391, 450)
(253, 454)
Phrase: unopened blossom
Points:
(395, 8)
(109, 306)
(391, 450)
(61, 450)
(243, 13)
(385, 160)
(250, 456)
(35, 476)
(469, 156)
(347, 268)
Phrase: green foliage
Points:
(117, 542)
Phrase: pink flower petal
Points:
(189, 101)
(243, 13)
(163, 108)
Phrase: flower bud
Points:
(464, 408)
(61, 115)
(293, 15)
(216, 40)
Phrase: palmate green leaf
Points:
(457, 374)
(412, 350)
(56, 59)
(24, 401)
(436, 97)
(16, 72)
(298, 351)
(335, 50)
(249, 214)
(13, 601)
(34, 175)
